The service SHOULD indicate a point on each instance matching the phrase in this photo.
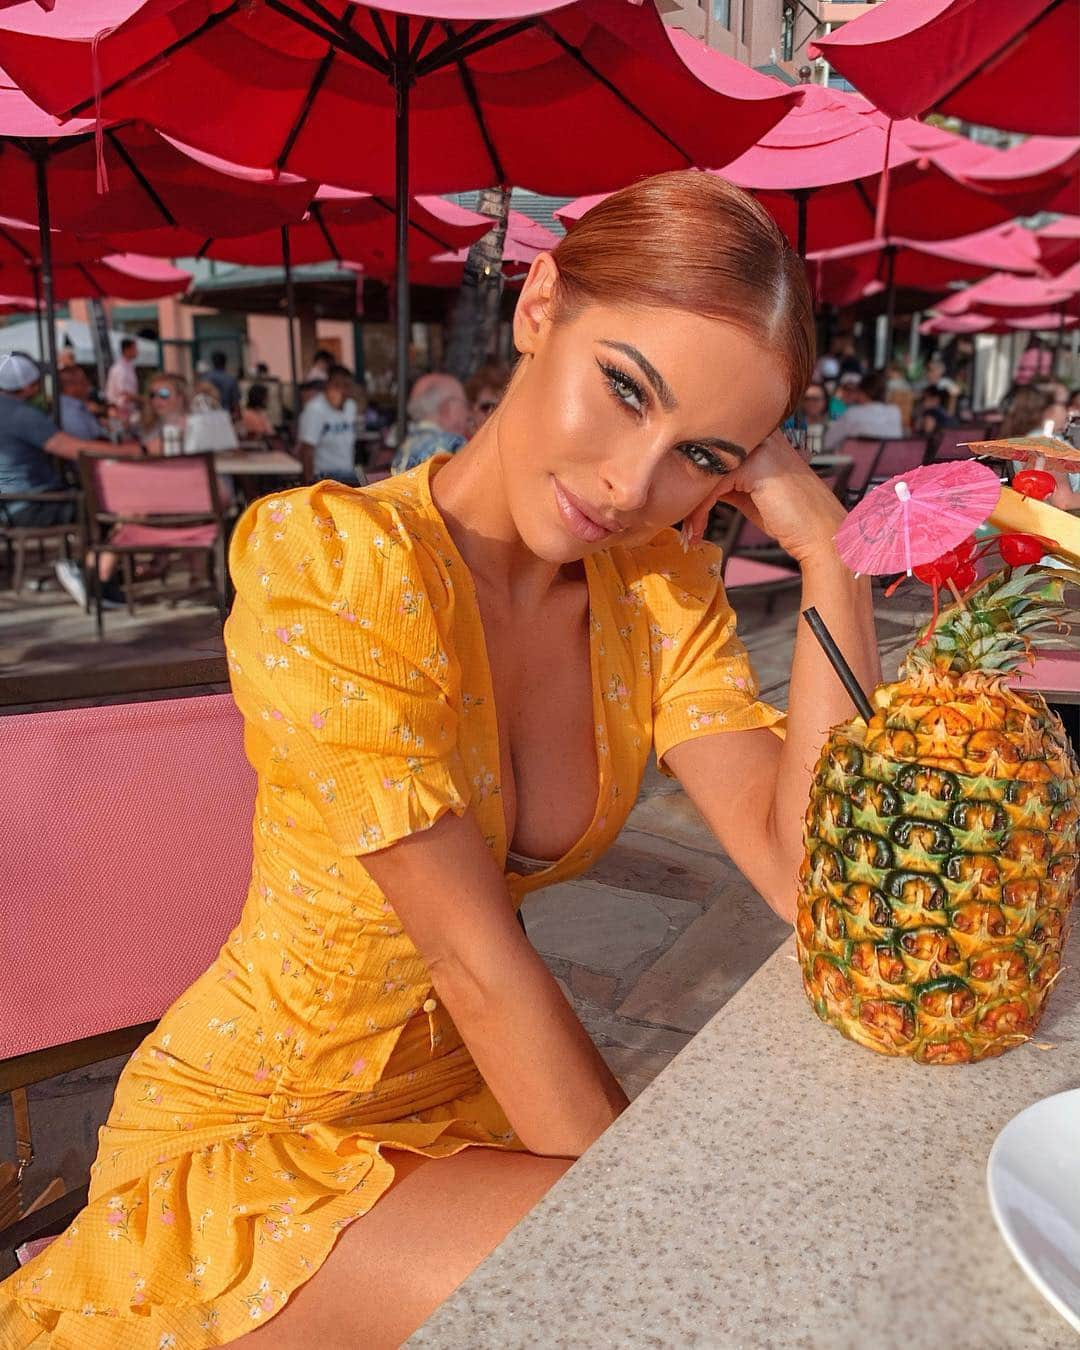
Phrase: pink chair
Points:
(863, 453)
(140, 506)
(899, 455)
(126, 857)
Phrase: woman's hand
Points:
(780, 494)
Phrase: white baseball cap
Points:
(17, 371)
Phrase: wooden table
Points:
(257, 463)
(778, 1186)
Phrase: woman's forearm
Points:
(531, 1050)
(817, 700)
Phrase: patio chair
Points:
(947, 443)
(899, 455)
(155, 506)
(18, 538)
(863, 452)
(101, 936)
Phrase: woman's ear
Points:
(532, 314)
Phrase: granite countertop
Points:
(779, 1186)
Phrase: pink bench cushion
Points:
(750, 572)
(126, 858)
(154, 536)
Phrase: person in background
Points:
(439, 413)
(168, 404)
(867, 414)
(815, 412)
(122, 383)
(27, 437)
(228, 390)
(931, 413)
(844, 394)
(1036, 361)
(322, 363)
(1074, 401)
(483, 390)
(327, 432)
(938, 377)
(850, 362)
(75, 415)
(254, 419)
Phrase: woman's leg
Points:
(392, 1267)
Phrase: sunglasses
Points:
(163, 392)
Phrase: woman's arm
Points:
(534, 1054)
(752, 789)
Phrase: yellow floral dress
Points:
(254, 1122)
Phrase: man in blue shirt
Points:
(439, 413)
(75, 417)
(27, 437)
(226, 384)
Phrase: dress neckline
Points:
(599, 713)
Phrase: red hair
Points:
(692, 241)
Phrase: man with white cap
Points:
(27, 436)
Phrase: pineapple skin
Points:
(940, 866)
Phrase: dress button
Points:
(430, 1005)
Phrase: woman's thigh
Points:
(391, 1268)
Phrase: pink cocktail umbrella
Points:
(917, 516)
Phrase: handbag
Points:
(209, 429)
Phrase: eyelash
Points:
(620, 383)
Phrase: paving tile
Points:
(608, 1028)
(595, 926)
(598, 989)
(674, 817)
(643, 862)
(635, 1069)
(710, 961)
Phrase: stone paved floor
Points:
(647, 946)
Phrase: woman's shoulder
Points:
(666, 576)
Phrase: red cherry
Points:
(1034, 483)
(964, 576)
(1018, 549)
(966, 548)
(936, 573)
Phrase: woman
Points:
(483, 390)
(254, 419)
(165, 414)
(378, 1038)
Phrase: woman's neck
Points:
(470, 492)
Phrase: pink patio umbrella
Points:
(842, 276)
(1011, 296)
(973, 322)
(1048, 165)
(819, 174)
(417, 95)
(1059, 243)
(1009, 65)
(525, 238)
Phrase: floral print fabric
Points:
(256, 1120)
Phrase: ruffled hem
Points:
(281, 1197)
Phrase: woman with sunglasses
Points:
(165, 414)
(484, 390)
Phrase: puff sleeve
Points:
(338, 665)
(702, 678)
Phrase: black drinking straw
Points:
(832, 651)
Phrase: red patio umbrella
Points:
(1059, 243)
(1009, 65)
(417, 95)
(1049, 165)
(987, 323)
(1010, 296)
(121, 276)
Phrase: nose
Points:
(626, 477)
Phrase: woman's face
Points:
(164, 398)
(627, 416)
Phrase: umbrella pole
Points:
(47, 275)
(890, 300)
(402, 82)
(290, 310)
(801, 201)
(35, 276)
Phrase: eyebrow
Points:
(667, 398)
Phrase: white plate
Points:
(1033, 1174)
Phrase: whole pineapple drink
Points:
(942, 843)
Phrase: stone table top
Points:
(779, 1186)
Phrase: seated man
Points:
(27, 437)
(439, 413)
(327, 432)
(867, 414)
(75, 415)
